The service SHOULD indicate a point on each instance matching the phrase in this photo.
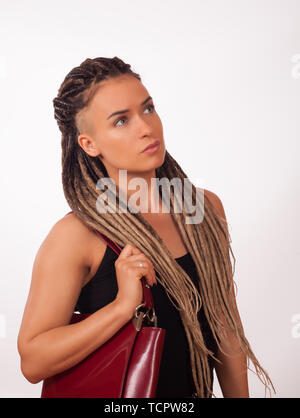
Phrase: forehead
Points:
(124, 92)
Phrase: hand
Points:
(129, 274)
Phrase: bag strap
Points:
(147, 295)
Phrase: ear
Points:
(88, 145)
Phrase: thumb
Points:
(126, 251)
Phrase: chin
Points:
(161, 156)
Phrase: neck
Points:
(140, 189)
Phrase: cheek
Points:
(159, 127)
(118, 151)
(113, 144)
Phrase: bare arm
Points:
(232, 373)
(47, 344)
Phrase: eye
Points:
(151, 106)
(123, 118)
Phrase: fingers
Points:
(126, 251)
(134, 255)
(145, 261)
(146, 273)
(129, 250)
(149, 271)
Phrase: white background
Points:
(225, 78)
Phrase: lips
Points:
(154, 144)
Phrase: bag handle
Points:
(147, 295)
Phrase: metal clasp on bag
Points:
(139, 316)
(153, 317)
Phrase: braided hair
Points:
(208, 242)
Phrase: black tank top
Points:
(175, 375)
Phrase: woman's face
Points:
(119, 139)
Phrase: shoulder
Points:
(59, 270)
(71, 223)
(214, 200)
(70, 237)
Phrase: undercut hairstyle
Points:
(208, 242)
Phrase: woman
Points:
(107, 119)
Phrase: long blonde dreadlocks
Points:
(208, 242)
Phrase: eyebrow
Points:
(120, 112)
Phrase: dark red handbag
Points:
(125, 366)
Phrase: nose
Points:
(144, 127)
